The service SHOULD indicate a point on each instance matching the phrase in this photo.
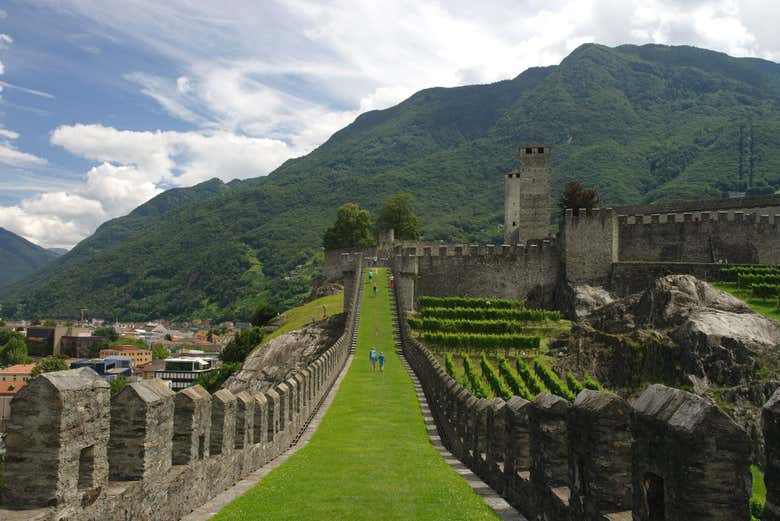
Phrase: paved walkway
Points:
(371, 457)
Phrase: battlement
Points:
(701, 217)
(150, 453)
(672, 455)
(592, 215)
(534, 247)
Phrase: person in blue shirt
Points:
(372, 359)
(381, 361)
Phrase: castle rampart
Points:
(149, 453)
(672, 455)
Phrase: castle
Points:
(77, 454)
(621, 249)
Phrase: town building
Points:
(138, 356)
(109, 368)
(149, 370)
(82, 346)
(17, 373)
(8, 390)
(182, 372)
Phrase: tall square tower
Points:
(527, 196)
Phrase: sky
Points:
(104, 105)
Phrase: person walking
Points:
(375, 289)
(372, 359)
(370, 275)
(381, 361)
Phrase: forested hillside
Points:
(639, 124)
(20, 257)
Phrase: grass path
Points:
(370, 458)
(296, 318)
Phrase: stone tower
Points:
(527, 196)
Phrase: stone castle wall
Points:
(149, 453)
(700, 237)
(525, 271)
(671, 455)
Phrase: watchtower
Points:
(527, 196)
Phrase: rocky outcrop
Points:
(276, 360)
(710, 333)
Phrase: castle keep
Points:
(527, 196)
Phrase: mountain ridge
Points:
(641, 124)
(20, 257)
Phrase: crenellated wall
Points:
(525, 271)
(672, 455)
(700, 237)
(149, 453)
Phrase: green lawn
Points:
(296, 318)
(370, 458)
(763, 306)
(759, 486)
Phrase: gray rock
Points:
(587, 299)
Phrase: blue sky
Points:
(105, 104)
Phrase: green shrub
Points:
(449, 365)
(765, 290)
(591, 383)
(494, 380)
(573, 384)
(474, 382)
(513, 380)
(748, 280)
(465, 302)
(756, 508)
(480, 341)
(415, 322)
(448, 325)
(551, 380)
(491, 314)
(531, 381)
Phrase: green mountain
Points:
(639, 124)
(20, 257)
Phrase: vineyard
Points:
(495, 348)
(759, 286)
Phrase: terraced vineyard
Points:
(759, 286)
(494, 347)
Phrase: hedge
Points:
(474, 382)
(478, 341)
(732, 274)
(494, 380)
(573, 384)
(449, 365)
(765, 290)
(513, 380)
(448, 325)
(535, 315)
(465, 302)
(551, 380)
(531, 381)
(748, 280)
(415, 322)
(590, 383)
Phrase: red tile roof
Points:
(18, 369)
(11, 387)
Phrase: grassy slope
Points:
(371, 457)
(296, 318)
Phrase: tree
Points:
(117, 384)
(213, 380)
(397, 214)
(351, 229)
(263, 313)
(48, 365)
(160, 353)
(108, 332)
(244, 342)
(576, 197)
(14, 352)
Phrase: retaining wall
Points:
(73, 453)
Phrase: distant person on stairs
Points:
(392, 281)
